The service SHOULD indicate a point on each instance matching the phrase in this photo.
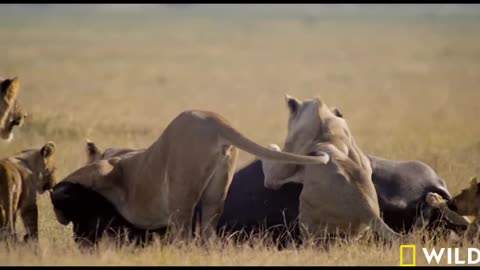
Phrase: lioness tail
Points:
(236, 138)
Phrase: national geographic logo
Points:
(450, 256)
(403, 250)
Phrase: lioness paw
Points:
(435, 200)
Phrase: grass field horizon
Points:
(407, 83)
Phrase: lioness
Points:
(94, 153)
(194, 159)
(337, 197)
(454, 219)
(22, 176)
(467, 203)
(11, 113)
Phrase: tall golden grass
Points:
(408, 89)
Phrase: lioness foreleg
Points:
(30, 220)
(272, 168)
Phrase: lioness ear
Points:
(337, 112)
(292, 103)
(48, 150)
(10, 89)
(92, 149)
(474, 182)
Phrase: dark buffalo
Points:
(401, 187)
(251, 209)
(92, 216)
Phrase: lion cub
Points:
(22, 176)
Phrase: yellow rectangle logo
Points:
(414, 255)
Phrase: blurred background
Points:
(405, 76)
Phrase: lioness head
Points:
(16, 118)
(45, 167)
(311, 121)
(11, 114)
(42, 163)
(467, 202)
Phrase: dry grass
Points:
(409, 90)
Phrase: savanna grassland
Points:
(407, 82)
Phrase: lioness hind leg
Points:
(215, 193)
(7, 219)
(30, 221)
(180, 226)
(185, 192)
